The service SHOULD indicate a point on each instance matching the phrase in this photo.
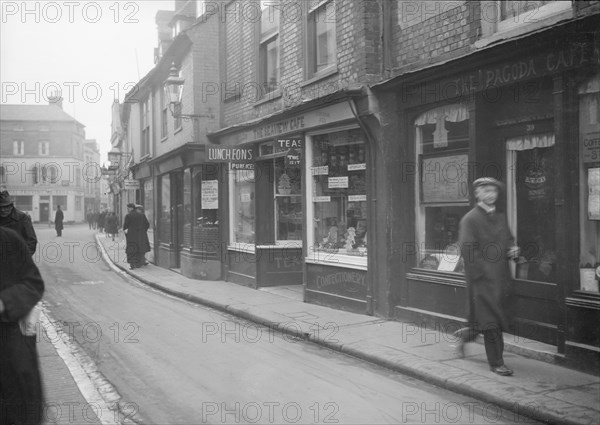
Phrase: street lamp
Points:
(174, 90)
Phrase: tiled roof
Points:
(34, 113)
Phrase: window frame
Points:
(18, 147)
(232, 243)
(314, 256)
(44, 148)
(311, 41)
(271, 35)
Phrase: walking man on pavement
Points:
(486, 246)
(16, 220)
(135, 230)
(146, 245)
(21, 287)
(58, 221)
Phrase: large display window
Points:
(165, 231)
(242, 211)
(589, 185)
(442, 189)
(149, 208)
(337, 192)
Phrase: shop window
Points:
(59, 200)
(204, 215)
(149, 207)
(338, 191)
(288, 202)
(165, 234)
(321, 31)
(268, 71)
(530, 204)
(242, 212)
(24, 203)
(442, 190)
(589, 185)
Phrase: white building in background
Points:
(42, 160)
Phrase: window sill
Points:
(517, 30)
(178, 129)
(337, 260)
(268, 97)
(327, 72)
(248, 248)
(164, 139)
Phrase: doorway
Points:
(44, 212)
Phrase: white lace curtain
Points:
(530, 141)
(452, 113)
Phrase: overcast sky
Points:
(92, 50)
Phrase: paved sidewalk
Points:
(543, 391)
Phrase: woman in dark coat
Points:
(21, 287)
(486, 245)
(58, 221)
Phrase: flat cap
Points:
(6, 199)
(488, 181)
(131, 205)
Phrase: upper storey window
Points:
(322, 45)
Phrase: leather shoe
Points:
(501, 370)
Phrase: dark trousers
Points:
(21, 395)
(492, 340)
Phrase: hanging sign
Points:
(131, 184)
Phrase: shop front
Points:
(186, 212)
(526, 113)
(298, 215)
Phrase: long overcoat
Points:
(58, 220)
(136, 237)
(21, 223)
(21, 287)
(484, 240)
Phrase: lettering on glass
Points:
(444, 179)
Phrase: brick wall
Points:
(431, 32)
(358, 35)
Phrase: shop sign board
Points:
(131, 184)
(591, 147)
(233, 154)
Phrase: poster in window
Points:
(444, 179)
(210, 194)
(594, 194)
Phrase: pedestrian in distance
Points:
(112, 225)
(134, 227)
(21, 288)
(12, 218)
(101, 218)
(146, 246)
(58, 221)
(486, 246)
(89, 217)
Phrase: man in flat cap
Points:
(16, 220)
(486, 246)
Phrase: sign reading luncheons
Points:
(240, 155)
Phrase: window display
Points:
(589, 186)
(165, 208)
(242, 206)
(288, 201)
(149, 208)
(339, 193)
(204, 216)
(442, 189)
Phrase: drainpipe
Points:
(371, 208)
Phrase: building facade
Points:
(507, 90)
(42, 160)
(92, 174)
(334, 143)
